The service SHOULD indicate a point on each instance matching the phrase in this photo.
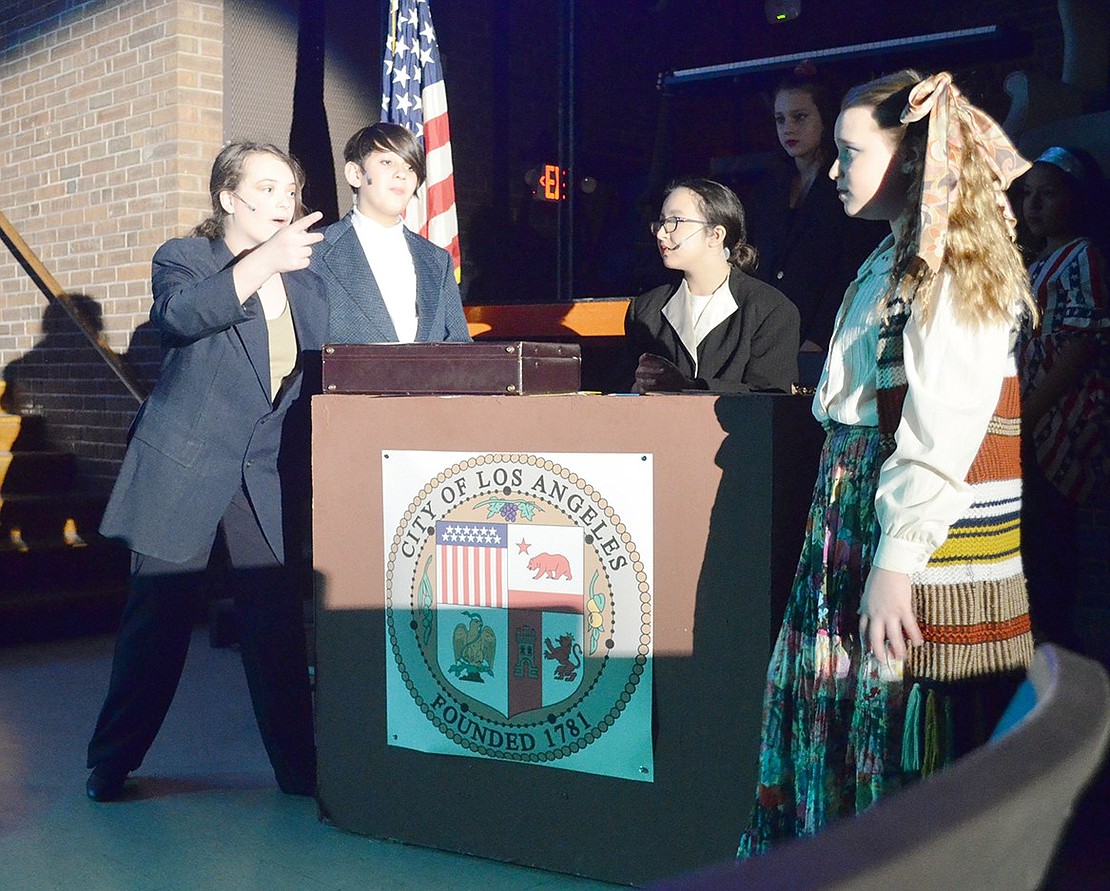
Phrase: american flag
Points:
(471, 559)
(414, 96)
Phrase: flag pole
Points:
(564, 286)
(414, 96)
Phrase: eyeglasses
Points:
(670, 224)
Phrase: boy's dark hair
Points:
(384, 137)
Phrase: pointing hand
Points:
(291, 246)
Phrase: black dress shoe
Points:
(105, 783)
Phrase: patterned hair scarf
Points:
(938, 98)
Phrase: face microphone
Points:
(249, 206)
(681, 243)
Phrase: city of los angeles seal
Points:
(518, 608)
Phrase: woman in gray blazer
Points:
(220, 448)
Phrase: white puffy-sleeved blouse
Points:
(954, 372)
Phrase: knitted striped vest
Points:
(970, 599)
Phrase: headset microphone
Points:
(686, 239)
(249, 206)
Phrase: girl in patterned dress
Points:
(907, 628)
(1063, 383)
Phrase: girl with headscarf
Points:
(907, 629)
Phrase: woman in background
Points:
(808, 248)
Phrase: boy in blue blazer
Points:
(385, 283)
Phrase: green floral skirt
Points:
(841, 729)
(831, 740)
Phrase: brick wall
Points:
(112, 114)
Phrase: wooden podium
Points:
(731, 484)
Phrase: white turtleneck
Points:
(388, 254)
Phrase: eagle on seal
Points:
(475, 648)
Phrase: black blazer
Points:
(209, 426)
(810, 253)
(755, 348)
(358, 311)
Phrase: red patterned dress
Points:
(1070, 288)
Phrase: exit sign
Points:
(551, 183)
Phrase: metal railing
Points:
(54, 293)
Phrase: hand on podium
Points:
(656, 374)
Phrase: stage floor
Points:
(202, 812)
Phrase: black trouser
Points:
(153, 639)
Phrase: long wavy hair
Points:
(226, 176)
(989, 277)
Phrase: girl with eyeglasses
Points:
(718, 328)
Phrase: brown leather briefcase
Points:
(518, 368)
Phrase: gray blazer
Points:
(358, 311)
(209, 426)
